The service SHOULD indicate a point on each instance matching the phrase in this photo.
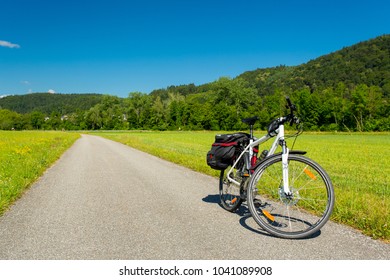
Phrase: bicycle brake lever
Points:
(293, 107)
(289, 104)
(295, 120)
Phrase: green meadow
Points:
(24, 156)
(358, 164)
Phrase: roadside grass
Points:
(358, 164)
(24, 156)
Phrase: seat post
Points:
(251, 121)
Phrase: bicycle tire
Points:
(297, 216)
(229, 193)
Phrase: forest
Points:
(348, 90)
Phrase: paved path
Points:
(104, 200)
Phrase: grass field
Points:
(359, 165)
(24, 156)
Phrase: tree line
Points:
(221, 107)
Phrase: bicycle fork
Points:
(286, 187)
(285, 153)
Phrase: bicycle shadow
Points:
(244, 213)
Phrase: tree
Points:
(93, 118)
(235, 92)
(37, 119)
(138, 110)
(308, 106)
(10, 120)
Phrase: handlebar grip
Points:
(290, 106)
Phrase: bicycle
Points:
(288, 195)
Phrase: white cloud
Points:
(8, 44)
(52, 91)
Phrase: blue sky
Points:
(117, 47)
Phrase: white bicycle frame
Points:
(249, 149)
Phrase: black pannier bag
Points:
(223, 150)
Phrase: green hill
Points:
(363, 63)
(48, 103)
(345, 90)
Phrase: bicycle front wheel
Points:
(300, 214)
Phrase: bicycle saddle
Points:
(250, 121)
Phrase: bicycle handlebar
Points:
(292, 118)
(290, 106)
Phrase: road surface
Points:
(103, 200)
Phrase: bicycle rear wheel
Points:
(296, 216)
(229, 193)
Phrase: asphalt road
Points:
(103, 200)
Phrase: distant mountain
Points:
(363, 63)
(48, 103)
